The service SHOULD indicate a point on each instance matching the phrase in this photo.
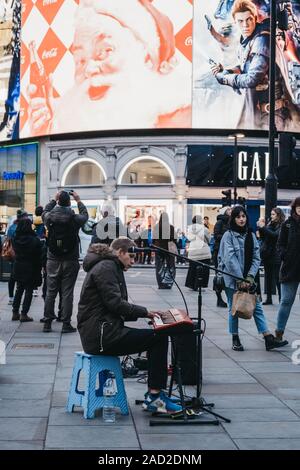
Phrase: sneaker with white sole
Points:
(160, 403)
(10, 300)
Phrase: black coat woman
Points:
(27, 268)
(269, 252)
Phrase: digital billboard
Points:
(105, 64)
(96, 65)
(10, 31)
(231, 65)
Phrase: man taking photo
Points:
(62, 255)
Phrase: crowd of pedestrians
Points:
(45, 251)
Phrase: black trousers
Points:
(271, 279)
(61, 276)
(156, 345)
(18, 297)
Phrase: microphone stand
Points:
(196, 402)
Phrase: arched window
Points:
(85, 172)
(146, 170)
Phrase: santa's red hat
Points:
(149, 25)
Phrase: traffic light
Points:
(226, 201)
(287, 144)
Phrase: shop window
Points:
(146, 171)
(84, 173)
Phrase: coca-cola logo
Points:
(188, 41)
(50, 53)
(47, 3)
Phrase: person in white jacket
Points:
(198, 250)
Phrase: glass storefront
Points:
(18, 181)
(146, 171)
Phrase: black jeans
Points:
(11, 282)
(156, 345)
(18, 297)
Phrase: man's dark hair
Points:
(24, 228)
(64, 199)
(122, 243)
(295, 203)
(39, 210)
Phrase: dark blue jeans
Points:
(288, 294)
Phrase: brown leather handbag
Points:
(7, 252)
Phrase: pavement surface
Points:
(258, 390)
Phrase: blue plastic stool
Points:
(90, 398)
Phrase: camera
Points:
(71, 192)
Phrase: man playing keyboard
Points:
(103, 308)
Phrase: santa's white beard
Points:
(135, 100)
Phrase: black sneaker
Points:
(274, 343)
(221, 303)
(68, 328)
(236, 344)
(47, 327)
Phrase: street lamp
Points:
(235, 137)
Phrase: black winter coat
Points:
(28, 260)
(103, 306)
(269, 252)
(289, 246)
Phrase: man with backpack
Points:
(62, 257)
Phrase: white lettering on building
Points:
(254, 169)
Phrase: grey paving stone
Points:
(233, 378)
(257, 356)
(91, 437)
(27, 374)
(60, 417)
(31, 359)
(25, 429)
(243, 401)
(268, 444)
(256, 430)
(184, 441)
(267, 367)
(21, 445)
(59, 398)
(287, 393)
(25, 391)
(24, 408)
(258, 414)
(279, 380)
(231, 388)
(294, 405)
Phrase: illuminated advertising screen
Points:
(96, 65)
(10, 31)
(231, 65)
(105, 64)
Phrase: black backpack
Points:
(62, 236)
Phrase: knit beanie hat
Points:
(223, 210)
(149, 25)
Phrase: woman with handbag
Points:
(27, 268)
(239, 256)
(198, 250)
(164, 237)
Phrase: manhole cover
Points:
(33, 346)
